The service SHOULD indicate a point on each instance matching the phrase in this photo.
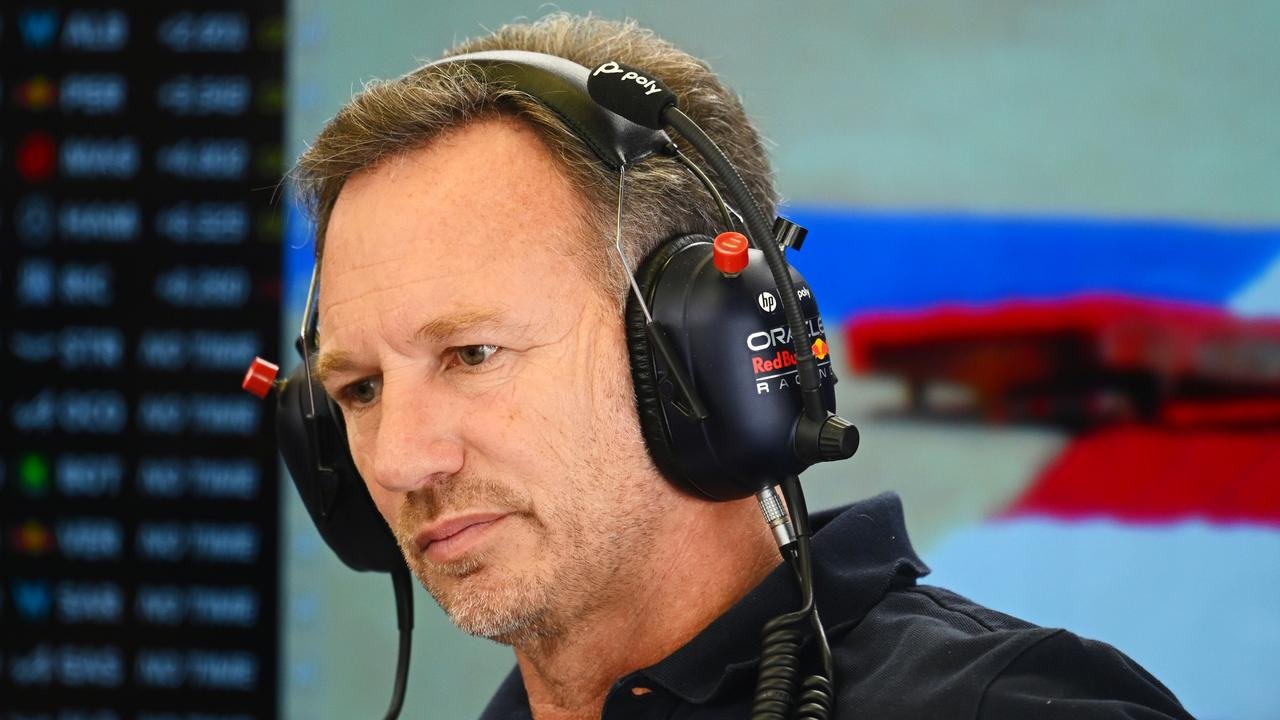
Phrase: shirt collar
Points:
(859, 553)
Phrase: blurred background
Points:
(1045, 238)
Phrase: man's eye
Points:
(475, 354)
(364, 392)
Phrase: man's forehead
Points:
(485, 195)
(487, 167)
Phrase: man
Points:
(471, 332)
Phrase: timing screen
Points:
(140, 274)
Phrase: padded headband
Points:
(561, 86)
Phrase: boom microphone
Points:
(630, 93)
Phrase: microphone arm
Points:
(404, 623)
(760, 231)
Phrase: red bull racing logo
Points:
(777, 371)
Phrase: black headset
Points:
(733, 380)
(714, 361)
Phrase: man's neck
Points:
(707, 560)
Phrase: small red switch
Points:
(730, 253)
(260, 377)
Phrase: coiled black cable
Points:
(779, 666)
(783, 638)
(817, 697)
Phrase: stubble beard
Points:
(581, 569)
(582, 553)
(502, 605)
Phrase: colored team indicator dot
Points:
(38, 27)
(32, 538)
(36, 156)
(32, 598)
(820, 349)
(33, 474)
(35, 93)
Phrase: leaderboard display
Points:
(140, 272)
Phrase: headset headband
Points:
(561, 86)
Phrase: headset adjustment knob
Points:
(838, 439)
(729, 253)
(260, 377)
(832, 438)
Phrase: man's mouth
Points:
(449, 539)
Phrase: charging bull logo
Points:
(820, 349)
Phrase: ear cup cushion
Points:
(643, 375)
(359, 528)
(335, 497)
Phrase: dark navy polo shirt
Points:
(902, 650)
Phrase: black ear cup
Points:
(731, 338)
(315, 450)
(649, 399)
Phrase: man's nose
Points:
(418, 440)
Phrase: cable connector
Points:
(775, 513)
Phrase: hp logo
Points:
(767, 301)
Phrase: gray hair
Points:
(663, 199)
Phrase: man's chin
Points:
(507, 629)
(485, 602)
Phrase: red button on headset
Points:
(730, 253)
(260, 377)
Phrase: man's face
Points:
(483, 380)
